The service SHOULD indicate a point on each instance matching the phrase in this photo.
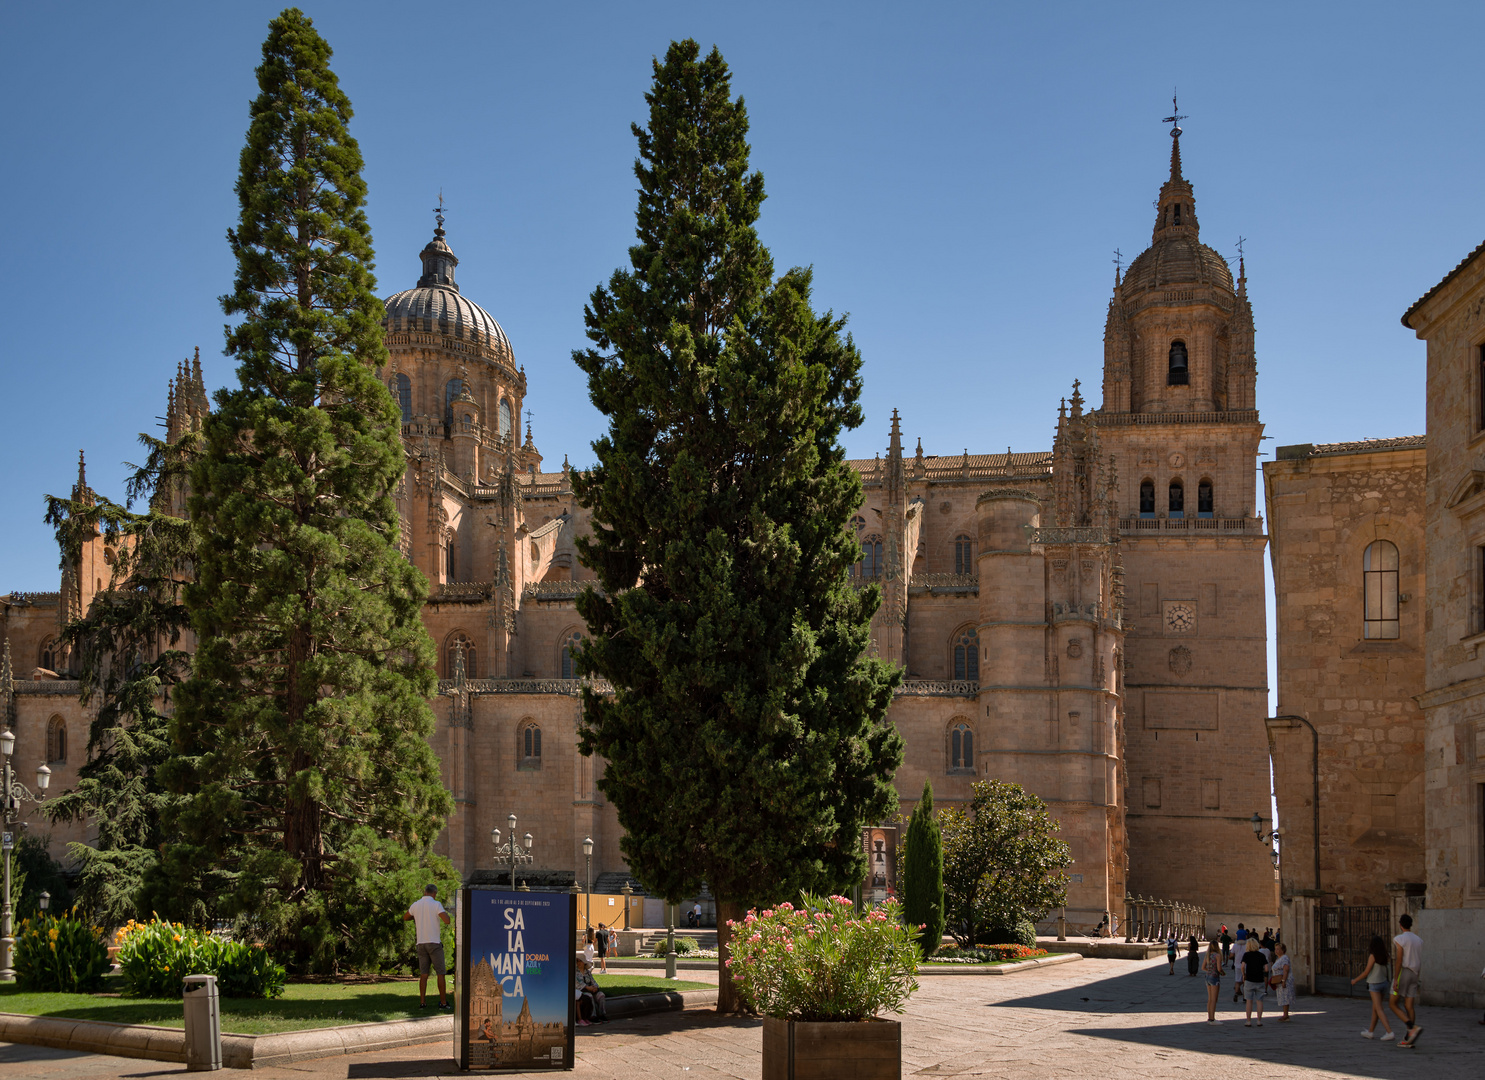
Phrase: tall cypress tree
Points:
(746, 737)
(303, 727)
(923, 874)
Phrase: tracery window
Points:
(570, 647)
(1204, 499)
(1379, 570)
(451, 391)
(1177, 374)
(48, 655)
(964, 555)
(56, 740)
(504, 419)
(1177, 503)
(967, 655)
(459, 642)
(1147, 498)
(528, 745)
(961, 748)
(402, 391)
(871, 557)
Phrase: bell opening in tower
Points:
(1147, 498)
(1178, 374)
(1177, 500)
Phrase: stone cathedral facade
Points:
(1088, 622)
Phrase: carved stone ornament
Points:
(1177, 459)
(1074, 648)
(1180, 660)
(945, 507)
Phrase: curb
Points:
(660, 1001)
(645, 962)
(999, 969)
(261, 1051)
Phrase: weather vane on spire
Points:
(1241, 240)
(1175, 116)
(438, 214)
(1118, 260)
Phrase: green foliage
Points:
(125, 650)
(923, 874)
(303, 727)
(987, 954)
(64, 955)
(823, 962)
(34, 871)
(155, 956)
(683, 945)
(1002, 862)
(1022, 932)
(746, 737)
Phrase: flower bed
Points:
(64, 955)
(824, 962)
(154, 957)
(986, 954)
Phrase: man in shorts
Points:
(430, 918)
(1408, 964)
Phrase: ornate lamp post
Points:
(588, 883)
(12, 794)
(513, 853)
(1273, 849)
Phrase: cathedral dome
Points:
(435, 306)
(1177, 260)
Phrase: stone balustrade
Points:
(1156, 920)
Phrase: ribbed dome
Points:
(442, 310)
(1177, 260)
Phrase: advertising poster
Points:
(881, 864)
(516, 1006)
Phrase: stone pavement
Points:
(1092, 1020)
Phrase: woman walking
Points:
(1255, 978)
(1170, 953)
(1212, 969)
(1281, 975)
(1375, 974)
(1193, 960)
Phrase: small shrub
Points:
(823, 962)
(155, 956)
(683, 946)
(1021, 933)
(65, 955)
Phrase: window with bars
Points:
(967, 655)
(1379, 570)
(961, 749)
(964, 555)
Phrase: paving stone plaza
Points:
(1093, 1019)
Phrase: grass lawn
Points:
(304, 1005)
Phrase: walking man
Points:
(430, 918)
(1408, 963)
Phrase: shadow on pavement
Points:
(384, 1070)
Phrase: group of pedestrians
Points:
(1401, 971)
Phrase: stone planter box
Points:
(863, 1050)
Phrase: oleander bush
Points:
(822, 961)
(155, 956)
(63, 955)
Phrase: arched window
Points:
(528, 745)
(569, 648)
(1147, 498)
(402, 391)
(458, 644)
(1204, 499)
(1177, 503)
(871, 557)
(56, 740)
(961, 748)
(451, 391)
(504, 419)
(1178, 374)
(967, 655)
(48, 655)
(964, 555)
(451, 562)
(1379, 576)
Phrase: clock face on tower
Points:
(1180, 617)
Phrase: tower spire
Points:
(1174, 119)
(1175, 210)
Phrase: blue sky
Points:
(958, 175)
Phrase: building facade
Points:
(1086, 621)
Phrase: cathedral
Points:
(1087, 622)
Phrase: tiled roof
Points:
(1358, 446)
(1450, 276)
(949, 465)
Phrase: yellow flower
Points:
(52, 933)
(167, 967)
(177, 937)
(53, 946)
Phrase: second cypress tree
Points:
(923, 874)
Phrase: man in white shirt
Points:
(1408, 956)
(430, 918)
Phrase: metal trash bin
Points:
(203, 1023)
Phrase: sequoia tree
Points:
(745, 739)
(302, 730)
(923, 874)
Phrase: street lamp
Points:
(12, 794)
(1257, 823)
(513, 854)
(44, 901)
(588, 887)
